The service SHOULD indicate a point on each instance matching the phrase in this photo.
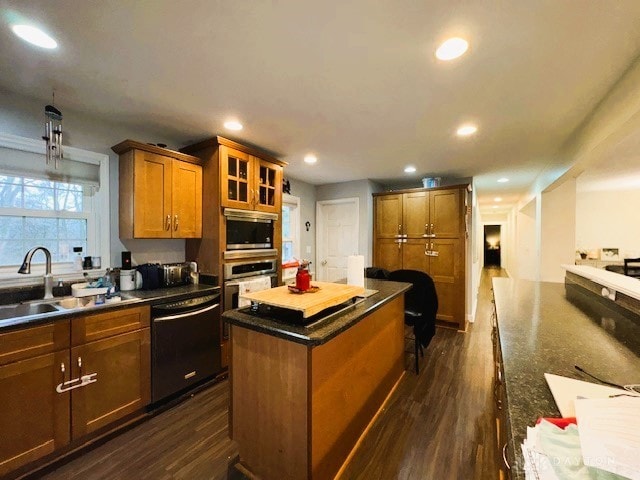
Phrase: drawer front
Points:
(108, 324)
(33, 341)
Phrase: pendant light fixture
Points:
(53, 133)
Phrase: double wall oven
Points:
(249, 253)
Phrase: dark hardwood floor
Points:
(438, 425)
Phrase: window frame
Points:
(294, 220)
(98, 219)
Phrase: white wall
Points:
(25, 117)
(527, 251)
(557, 231)
(608, 219)
(363, 190)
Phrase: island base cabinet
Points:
(298, 410)
(120, 367)
(34, 418)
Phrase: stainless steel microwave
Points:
(247, 230)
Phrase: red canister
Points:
(303, 278)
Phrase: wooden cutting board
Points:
(328, 295)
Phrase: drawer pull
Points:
(189, 375)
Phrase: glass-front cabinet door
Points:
(236, 179)
(269, 186)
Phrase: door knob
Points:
(323, 263)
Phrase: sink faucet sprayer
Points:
(48, 278)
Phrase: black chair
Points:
(632, 267)
(375, 272)
(420, 307)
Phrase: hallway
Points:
(438, 425)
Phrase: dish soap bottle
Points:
(303, 279)
(77, 260)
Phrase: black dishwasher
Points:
(185, 344)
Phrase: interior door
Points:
(337, 237)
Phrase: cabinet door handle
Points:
(168, 223)
(175, 222)
(62, 370)
(504, 457)
(433, 234)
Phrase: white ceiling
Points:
(354, 82)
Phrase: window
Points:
(57, 209)
(290, 228)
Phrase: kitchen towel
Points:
(355, 270)
(254, 285)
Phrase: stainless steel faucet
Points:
(48, 278)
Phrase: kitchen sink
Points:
(25, 309)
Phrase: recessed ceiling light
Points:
(497, 199)
(452, 48)
(310, 159)
(503, 180)
(34, 36)
(495, 206)
(410, 169)
(466, 130)
(233, 125)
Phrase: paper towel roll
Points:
(355, 270)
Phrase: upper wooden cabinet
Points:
(160, 192)
(419, 214)
(248, 182)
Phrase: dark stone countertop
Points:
(323, 330)
(549, 328)
(129, 298)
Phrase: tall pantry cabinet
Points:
(425, 229)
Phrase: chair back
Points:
(422, 297)
(375, 272)
(632, 267)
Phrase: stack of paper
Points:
(605, 445)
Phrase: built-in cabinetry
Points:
(160, 192)
(500, 401)
(62, 380)
(425, 229)
(240, 177)
(249, 182)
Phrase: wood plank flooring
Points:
(438, 425)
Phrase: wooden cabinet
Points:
(160, 192)
(64, 380)
(248, 182)
(34, 417)
(234, 176)
(424, 229)
(121, 368)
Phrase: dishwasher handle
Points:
(186, 314)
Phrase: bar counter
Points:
(301, 397)
(548, 328)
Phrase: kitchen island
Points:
(548, 328)
(301, 397)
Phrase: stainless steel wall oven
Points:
(244, 271)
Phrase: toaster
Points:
(157, 275)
